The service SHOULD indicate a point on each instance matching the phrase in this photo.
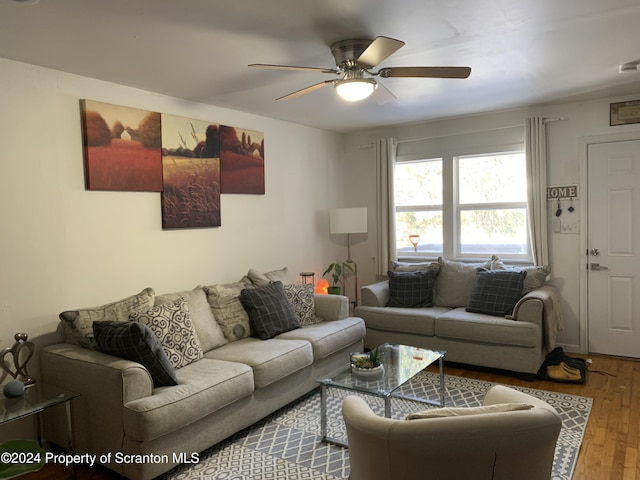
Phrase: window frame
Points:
(451, 207)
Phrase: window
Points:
(462, 207)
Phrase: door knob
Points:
(595, 252)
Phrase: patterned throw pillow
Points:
(269, 310)
(209, 332)
(536, 275)
(136, 342)
(171, 322)
(496, 292)
(303, 302)
(78, 324)
(224, 300)
(411, 289)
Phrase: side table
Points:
(35, 400)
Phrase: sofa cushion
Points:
(411, 289)
(496, 292)
(204, 387)
(262, 279)
(415, 267)
(455, 282)
(171, 322)
(224, 300)
(209, 332)
(271, 360)
(458, 324)
(536, 275)
(136, 342)
(327, 338)
(302, 299)
(420, 321)
(78, 324)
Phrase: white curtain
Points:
(536, 153)
(385, 150)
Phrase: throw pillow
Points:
(464, 411)
(411, 289)
(536, 275)
(301, 298)
(224, 300)
(78, 324)
(262, 279)
(496, 292)
(415, 267)
(269, 310)
(455, 283)
(136, 342)
(171, 322)
(209, 332)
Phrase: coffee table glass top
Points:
(400, 364)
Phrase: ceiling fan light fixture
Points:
(355, 89)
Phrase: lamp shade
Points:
(348, 220)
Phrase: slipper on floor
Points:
(558, 372)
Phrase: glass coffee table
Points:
(400, 364)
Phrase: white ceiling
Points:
(522, 52)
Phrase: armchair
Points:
(500, 446)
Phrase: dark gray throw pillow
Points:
(136, 342)
(411, 289)
(270, 313)
(496, 292)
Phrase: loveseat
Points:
(229, 370)
(486, 314)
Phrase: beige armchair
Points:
(500, 446)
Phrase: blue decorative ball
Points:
(13, 389)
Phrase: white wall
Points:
(582, 119)
(63, 247)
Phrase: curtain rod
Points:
(544, 120)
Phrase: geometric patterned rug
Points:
(287, 443)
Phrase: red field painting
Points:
(241, 161)
(121, 148)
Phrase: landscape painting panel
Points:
(121, 148)
(241, 160)
(191, 173)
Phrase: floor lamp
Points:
(349, 220)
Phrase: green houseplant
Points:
(337, 272)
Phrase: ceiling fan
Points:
(355, 60)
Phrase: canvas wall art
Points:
(121, 148)
(241, 161)
(191, 173)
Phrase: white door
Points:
(613, 251)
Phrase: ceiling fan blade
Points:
(379, 49)
(302, 91)
(383, 95)
(293, 67)
(425, 72)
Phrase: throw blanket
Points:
(552, 322)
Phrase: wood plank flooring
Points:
(610, 447)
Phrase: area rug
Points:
(287, 443)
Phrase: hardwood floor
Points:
(611, 441)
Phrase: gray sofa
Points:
(228, 388)
(518, 341)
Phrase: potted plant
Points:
(368, 364)
(337, 272)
